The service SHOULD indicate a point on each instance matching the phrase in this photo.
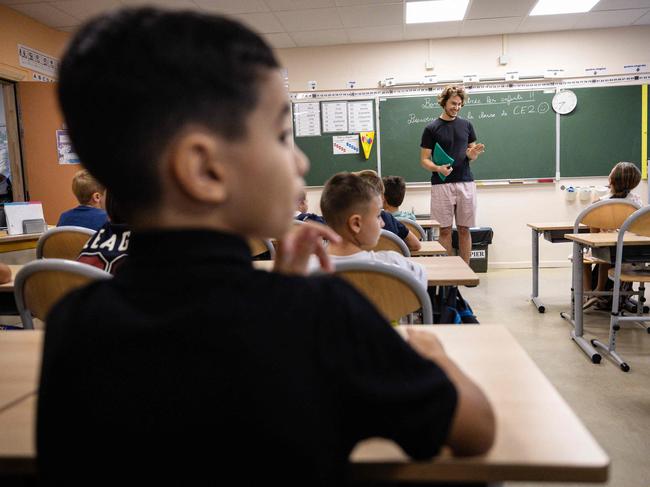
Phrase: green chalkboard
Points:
(517, 128)
(604, 128)
(324, 163)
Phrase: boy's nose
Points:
(301, 160)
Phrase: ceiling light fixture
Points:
(435, 11)
(556, 7)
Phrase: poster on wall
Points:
(335, 116)
(360, 116)
(65, 152)
(37, 61)
(306, 119)
(345, 144)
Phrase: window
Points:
(11, 173)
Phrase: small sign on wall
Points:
(635, 68)
(65, 152)
(554, 73)
(345, 144)
(42, 77)
(37, 61)
(596, 71)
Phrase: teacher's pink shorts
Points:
(454, 199)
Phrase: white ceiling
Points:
(300, 23)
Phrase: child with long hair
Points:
(623, 178)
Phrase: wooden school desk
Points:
(431, 227)
(429, 248)
(20, 355)
(441, 271)
(10, 243)
(554, 233)
(599, 242)
(447, 271)
(539, 438)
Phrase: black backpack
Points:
(451, 308)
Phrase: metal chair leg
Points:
(610, 348)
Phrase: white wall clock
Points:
(564, 102)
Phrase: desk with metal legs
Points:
(598, 242)
(554, 233)
(431, 227)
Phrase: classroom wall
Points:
(47, 180)
(15, 29)
(333, 66)
(505, 209)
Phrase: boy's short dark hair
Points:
(84, 186)
(114, 209)
(394, 190)
(131, 80)
(344, 193)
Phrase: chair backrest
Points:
(606, 215)
(42, 283)
(259, 246)
(394, 291)
(414, 227)
(639, 223)
(63, 242)
(390, 241)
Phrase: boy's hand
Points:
(299, 244)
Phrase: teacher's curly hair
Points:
(450, 91)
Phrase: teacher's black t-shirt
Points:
(453, 136)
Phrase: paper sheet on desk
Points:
(441, 158)
(16, 213)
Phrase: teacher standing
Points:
(453, 191)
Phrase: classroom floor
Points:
(614, 406)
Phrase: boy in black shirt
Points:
(189, 367)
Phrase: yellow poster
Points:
(367, 139)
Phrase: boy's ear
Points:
(354, 223)
(196, 164)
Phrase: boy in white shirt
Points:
(352, 208)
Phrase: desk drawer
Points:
(557, 236)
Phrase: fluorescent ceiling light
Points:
(554, 7)
(435, 11)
